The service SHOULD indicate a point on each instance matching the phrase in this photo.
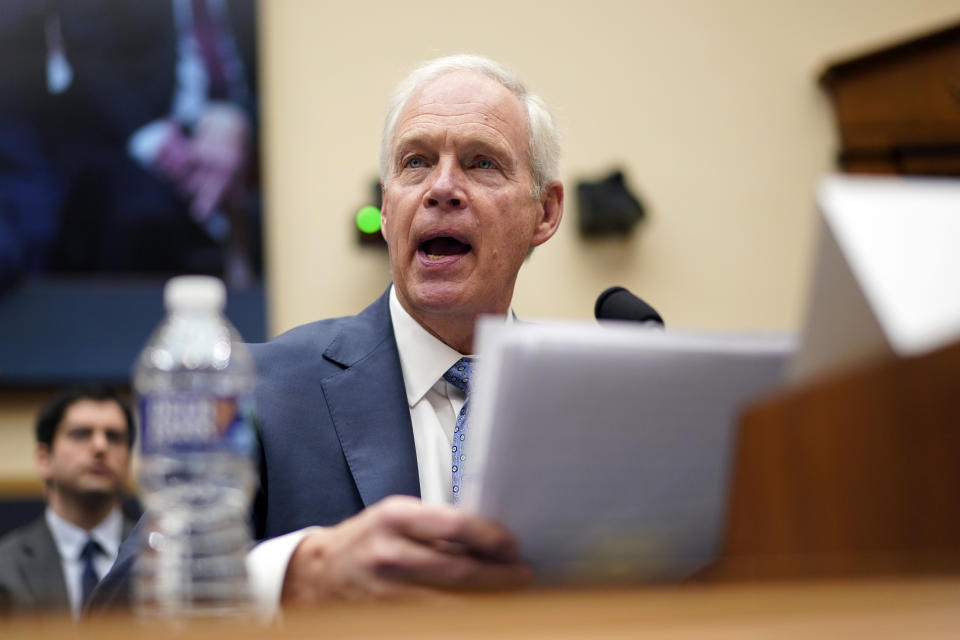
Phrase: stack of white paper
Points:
(606, 449)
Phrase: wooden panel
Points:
(856, 474)
(898, 109)
(920, 89)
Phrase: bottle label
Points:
(180, 423)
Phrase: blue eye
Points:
(415, 162)
(485, 163)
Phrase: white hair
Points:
(543, 148)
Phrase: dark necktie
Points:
(88, 576)
(459, 376)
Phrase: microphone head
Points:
(617, 303)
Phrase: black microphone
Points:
(616, 303)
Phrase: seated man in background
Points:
(363, 417)
(84, 437)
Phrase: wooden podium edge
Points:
(852, 474)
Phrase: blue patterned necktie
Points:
(89, 577)
(459, 376)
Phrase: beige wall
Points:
(710, 105)
(17, 413)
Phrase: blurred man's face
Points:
(458, 212)
(89, 458)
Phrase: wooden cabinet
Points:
(898, 108)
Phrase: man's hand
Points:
(207, 169)
(400, 547)
(220, 150)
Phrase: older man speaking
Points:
(363, 417)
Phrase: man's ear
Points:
(42, 461)
(383, 208)
(551, 212)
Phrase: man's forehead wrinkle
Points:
(481, 115)
(421, 133)
(418, 128)
(465, 108)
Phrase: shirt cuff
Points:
(267, 567)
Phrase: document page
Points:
(606, 449)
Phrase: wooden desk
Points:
(901, 608)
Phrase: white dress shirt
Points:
(70, 540)
(434, 404)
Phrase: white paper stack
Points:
(606, 449)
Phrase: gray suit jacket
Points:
(31, 577)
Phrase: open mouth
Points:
(443, 247)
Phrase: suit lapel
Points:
(40, 567)
(128, 525)
(368, 406)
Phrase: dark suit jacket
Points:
(335, 433)
(31, 576)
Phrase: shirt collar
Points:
(424, 358)
(70, 538)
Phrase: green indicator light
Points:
(368, 219)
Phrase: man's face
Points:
(458, 211)
(89, 457)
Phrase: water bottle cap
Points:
(194, 292)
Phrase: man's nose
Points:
(99, 441)
(446, 191)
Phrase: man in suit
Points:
(84, 437)
(361, 416)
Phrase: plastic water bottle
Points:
(194, 382)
